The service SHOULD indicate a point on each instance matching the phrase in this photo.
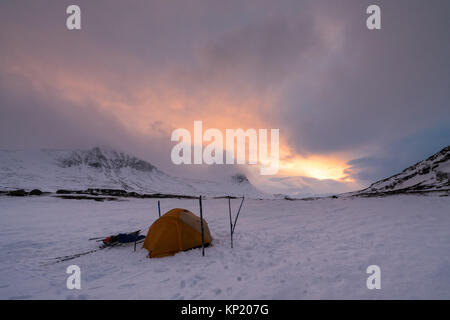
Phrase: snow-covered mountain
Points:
(427, 175)
(50, 170)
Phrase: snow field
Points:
(282, 249)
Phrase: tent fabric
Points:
(175, 231)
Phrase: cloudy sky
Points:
(353, 105)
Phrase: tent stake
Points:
(159, 209)
(231, 222)
(201, 224)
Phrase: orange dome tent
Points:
(175, 231)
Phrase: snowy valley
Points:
(283, 248)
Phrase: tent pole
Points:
(231, 222)
(237, 215)
(201, 224)
(159, 209)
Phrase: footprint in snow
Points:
(367, 236)
(20, 297)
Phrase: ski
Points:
(77, 255)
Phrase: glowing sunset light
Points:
(319, 167)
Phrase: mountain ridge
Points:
(431, 174)
(106, 168)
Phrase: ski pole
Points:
(201, 224)
(231, 221)
(159, 209)
(237, 216)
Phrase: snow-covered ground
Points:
(282, 250)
